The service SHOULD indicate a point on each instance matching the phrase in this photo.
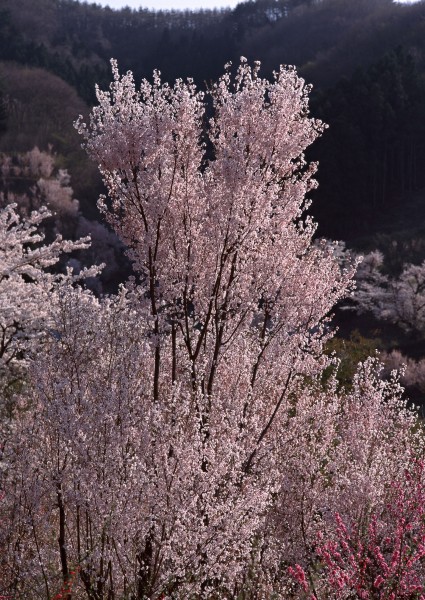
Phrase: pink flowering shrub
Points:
(382, 557)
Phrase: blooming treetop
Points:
(210, 210)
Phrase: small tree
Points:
(381, 559)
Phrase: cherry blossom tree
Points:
(32, 180)
(25, 282)
(187, 446)
(211, 239)
(399, 299)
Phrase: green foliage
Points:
(350, 352)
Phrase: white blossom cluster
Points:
(400, 300)
(25, 282)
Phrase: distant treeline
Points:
(366, 60)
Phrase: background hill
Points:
(366, 60)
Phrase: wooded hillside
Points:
(366, 61)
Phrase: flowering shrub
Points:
(382, 558)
